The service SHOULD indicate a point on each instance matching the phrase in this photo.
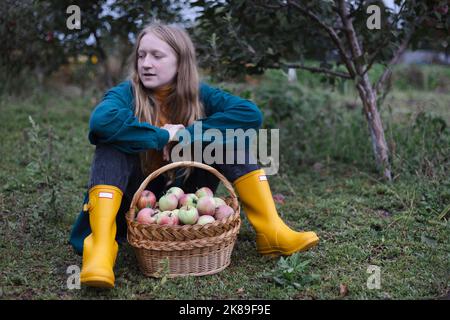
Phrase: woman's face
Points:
(157, 62)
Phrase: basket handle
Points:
(170, 166)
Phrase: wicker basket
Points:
(188, 250)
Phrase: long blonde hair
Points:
(183, 101)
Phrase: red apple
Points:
(188, 199)
(156, 212)
(163, 217)
(159, 214)
(176, 191)
(223, 212)
(203, 192)
(146, 200)
(169, 218)
(146, 216)
(175, 218)
(206, 206)
(168, 202)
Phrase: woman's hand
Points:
(173, 129)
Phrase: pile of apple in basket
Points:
(178, 208)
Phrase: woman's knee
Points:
(112, 167)
(238, 164)
(233, 171)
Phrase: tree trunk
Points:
(379, 145)
(367, 94)
(107, 79)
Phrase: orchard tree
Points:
(27, 40)
(36, 35)
(347, 37)
(107, 26)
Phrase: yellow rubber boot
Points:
(273, 236)
(100, 247)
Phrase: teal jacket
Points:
(113, 121)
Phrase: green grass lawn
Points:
(401, 227)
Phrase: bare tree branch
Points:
(351, 35)
(312, 69)
(331, 32)
(268, 6)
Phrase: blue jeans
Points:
(113, 167)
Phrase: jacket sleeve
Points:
(113, 122)
(226, 111)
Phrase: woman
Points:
(134, 128)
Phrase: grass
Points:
(401, 227)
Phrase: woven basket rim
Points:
(133, 206)
(217, 225)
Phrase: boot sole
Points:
(276, 253)
(98, 282)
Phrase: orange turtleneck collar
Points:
(162, 92)
(160, 95)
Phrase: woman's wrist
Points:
(173, 129)
(163, 138)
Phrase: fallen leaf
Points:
(343, 290)
(240, 290)
(279, 198)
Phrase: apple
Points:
(168, 202)
(206, 206)
(176, 191)
(175, 216)
(219, 201)
(167, 217)
(188, 199)
(188, 215)
(160, 214)
(223, 212)
(147, 199)
(156, 211)
(203, 192)
(205, 219)
(146, 216)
